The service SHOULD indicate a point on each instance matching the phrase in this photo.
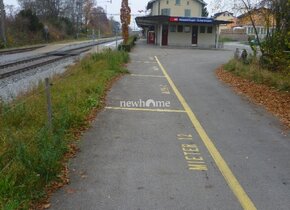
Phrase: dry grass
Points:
(253, 72)
(275, 101)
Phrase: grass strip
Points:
(30, 153)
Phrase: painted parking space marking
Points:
(155, 68)
(195, 161)
(145, 75)
(146, 110)
(184, 137)
(165, 89)
(225, 170)
(191, 152)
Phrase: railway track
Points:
(13, 68)
(19, 50)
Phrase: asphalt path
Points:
(174, 137)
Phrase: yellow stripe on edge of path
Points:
(230, 178)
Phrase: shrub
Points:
(129, 45)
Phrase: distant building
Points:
(179, 23)
(226, 16)
(263, 19)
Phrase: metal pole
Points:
(48, 100)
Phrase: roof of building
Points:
(220, 13)
(150, 3)
(256, 10)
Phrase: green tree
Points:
(33, 21)
(277, 43)
(276, 15)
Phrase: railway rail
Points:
(20, 50)
(13, 68)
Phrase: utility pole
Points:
(2, 29)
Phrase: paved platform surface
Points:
(208, 149)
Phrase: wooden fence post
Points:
(48, 100)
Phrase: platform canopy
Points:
(147, 21)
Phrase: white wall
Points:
(205, 40)
(179, 38)
(154, 10)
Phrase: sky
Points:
(114, 8)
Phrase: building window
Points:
(186, 29)
(252, 30)
(165, 12)
(180, 28)
(187, 13)
(177, 2)
(209, 29)
(202, 29)
(172, 28)
(167, 2)
(187, 2)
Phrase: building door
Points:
(194, 35)
(164, 35)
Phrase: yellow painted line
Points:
(145, 75)
(146, 110)
(230, 178)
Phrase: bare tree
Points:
(10, 11)
(87, 9)
(250, 7)
(222, 5)
(43, 8)
(98, 20)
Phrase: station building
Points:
(179, 23)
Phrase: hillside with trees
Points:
(41, 21)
